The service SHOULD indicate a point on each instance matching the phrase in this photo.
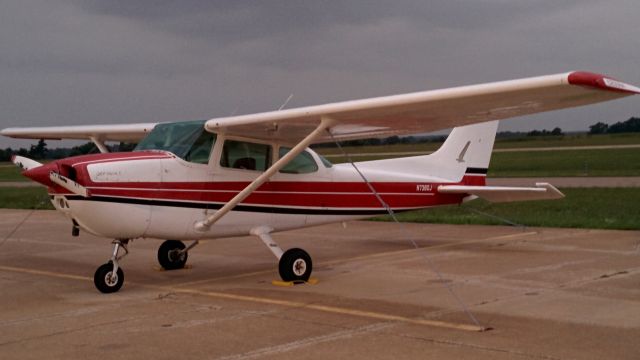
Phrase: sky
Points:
(68, 62)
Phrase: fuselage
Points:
(158, 194)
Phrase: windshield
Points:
(187, 140)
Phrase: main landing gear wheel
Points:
(106, 281)
(295, 265)
(172, 255)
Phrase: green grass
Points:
(24, 198)
(10, 172)
(605, 162)
(569, 140)
(593, 208)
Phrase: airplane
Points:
(256, 175)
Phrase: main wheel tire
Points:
(105, 281)
(170, 256)
(295, 265)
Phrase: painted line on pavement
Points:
(268, 301)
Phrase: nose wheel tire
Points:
(295, 265)
(171, 255)
(106, 281)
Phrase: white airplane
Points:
(254, 174)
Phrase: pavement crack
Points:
(477, 347)
(309, 341)
(63, 332)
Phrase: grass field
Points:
(512, 143)
(594, 208)
(24, 198)
(10, 172)
(605, 162)
(597, 208)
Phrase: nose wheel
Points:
(106, 280)
(109, 277)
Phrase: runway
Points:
(545, 294)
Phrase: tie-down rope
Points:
(407, 234)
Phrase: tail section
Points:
(469, 146)
(467, 150)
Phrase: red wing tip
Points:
(584, 78)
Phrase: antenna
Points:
(285, 102)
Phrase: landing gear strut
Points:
(173, 254)
(293, 265)
(109, 277)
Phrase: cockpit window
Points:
(187, 140)
(245, 155)
(301, 164)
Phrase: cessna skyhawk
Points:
(254, 174)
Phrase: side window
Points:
(245, 155)
(201, 149)
(301, 164)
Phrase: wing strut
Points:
(204, 225)
(100, 144)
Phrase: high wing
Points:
(429, 110)
(418, 112)
(124, 132)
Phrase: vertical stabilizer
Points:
(469, 146)
(467, 150)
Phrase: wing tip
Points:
(585, 78)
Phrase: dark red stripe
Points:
(341, 200)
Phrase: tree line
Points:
(40, 151)
(631, 125)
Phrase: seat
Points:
(245, 163)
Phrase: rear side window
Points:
(245, 155)
(301, 164)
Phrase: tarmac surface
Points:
(545, 294)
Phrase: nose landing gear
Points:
(109, 277)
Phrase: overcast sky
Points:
(67, 62)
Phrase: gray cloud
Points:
(84, 62)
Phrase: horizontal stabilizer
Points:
(25, 163)
(542, 191)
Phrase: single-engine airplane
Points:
(254, 174)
